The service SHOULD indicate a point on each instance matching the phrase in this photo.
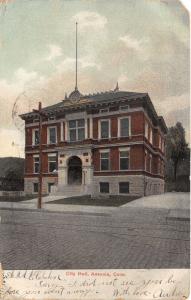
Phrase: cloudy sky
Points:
(142, 44)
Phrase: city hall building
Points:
(109, 143)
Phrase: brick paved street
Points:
(123, 238)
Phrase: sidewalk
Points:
(175, 204)
(32, 205)
(174, 200)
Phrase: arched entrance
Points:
(74, 170)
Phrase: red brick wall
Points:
(137, 123)
(95, 128)
(137, 157)
(44, 133)
(29, 163)
(114, 126)
(114, 158)
(96, 159)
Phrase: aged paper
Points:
(96, 284)
(137, 48)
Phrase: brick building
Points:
(99, 144)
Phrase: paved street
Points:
(126, 237)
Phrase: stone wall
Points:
(153, 186)
(139, 185)
(29, 184)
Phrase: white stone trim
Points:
(61, 131)
(124, 148)
(66, 131)
(110, 113)
(146, 129)
(86, 128)
(91, 127)
(52, 154)
(104, 150)
(117, 112)
(76, 116)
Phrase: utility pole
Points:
(40, 114)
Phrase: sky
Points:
(142, 44)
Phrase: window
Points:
(51, 118)
(36, 164)
(104, 161)
(104, 187)
(146, 155)
(160, 142)
(150, 163)
(162, 145)
(52, 163)
(104, 110)
(124, 187)
(146, 129)
(159, 166)
(104, 129)
(77, 130)
(50, 184)
(35, 120)
(35, 187)
(124, 107)
(151, 136)
(35, 137)
(124, 127)
(52, 139)
(124, 159)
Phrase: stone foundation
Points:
(139, 185)
(29, 188)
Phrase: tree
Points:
(176, 147)
(13, 181)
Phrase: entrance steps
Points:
(69, 190)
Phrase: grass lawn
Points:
(16, 198)
(87, 200)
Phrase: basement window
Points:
(104, 187)
(50, 184)
(124, 187)
(35, 187)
